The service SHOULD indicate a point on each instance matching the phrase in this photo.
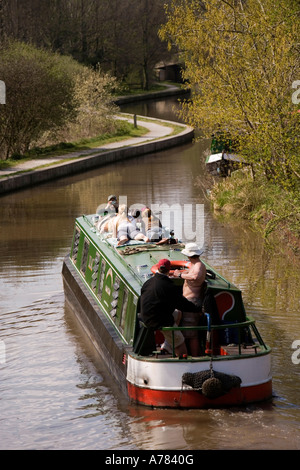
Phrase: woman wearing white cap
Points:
(193, 291)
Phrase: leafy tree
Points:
(241, 58)
(40, 95)
(49, 98)
(95, 111)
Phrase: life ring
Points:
(183, 266)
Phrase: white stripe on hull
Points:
(168, 375)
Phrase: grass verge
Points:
(274, 211)
(124, 131)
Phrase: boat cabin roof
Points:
(135, 259)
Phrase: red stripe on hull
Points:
(193, 399)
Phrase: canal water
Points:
(55, 392)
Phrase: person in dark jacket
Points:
(160, 301)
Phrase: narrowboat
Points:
(102, 283)
(223, 159)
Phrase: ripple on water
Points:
(52, 394)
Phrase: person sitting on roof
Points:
(168, 240)
(151, 225)
(105, 214)
(112, 204)
(104, 220)
(125, 229)
(135, 216)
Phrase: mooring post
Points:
(134, 120)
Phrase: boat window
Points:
(75, 244)
(84, 257)
(95, 272)
(113, 312)
(116, 285)
(102, 272)
(115, 297)
(124, 309)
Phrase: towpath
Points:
(156, 131)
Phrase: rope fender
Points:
(210, 383)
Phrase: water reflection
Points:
(54, 391)
(233, 429)
(162, 109)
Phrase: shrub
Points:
(40, 96)
(92, 92)
(51, 98)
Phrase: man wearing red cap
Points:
(160, 298)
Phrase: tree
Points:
(121, 35)
(241, 58)
(95, 112)
(40, 95)
(149, 49)
(50, 98)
